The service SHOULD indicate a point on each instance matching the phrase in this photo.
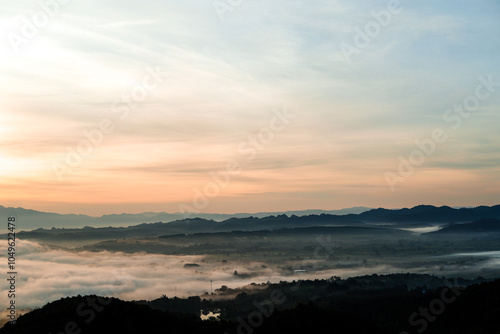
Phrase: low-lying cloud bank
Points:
(46, 274)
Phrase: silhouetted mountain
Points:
(193, 226)
(367, 304)
(429, 214)
(92, 314)
(479, 226)
(31, 219)
(475, 309)
(419, 216)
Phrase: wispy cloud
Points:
(223, 79)
(131, 23)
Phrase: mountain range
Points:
(30, 219)
(418, 216)
(451, 221)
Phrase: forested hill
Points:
(416, 216)
(420, 216)
(370, 304)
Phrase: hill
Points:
(478, 228)
(422, 214)
(402, 303)
(31, 219)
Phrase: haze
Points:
(216, 81)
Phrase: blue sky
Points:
(223, 80)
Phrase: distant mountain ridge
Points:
(429, 213)
(418, 216)
(32, 219)
(488, 226)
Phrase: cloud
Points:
(46, 274)
(223, 78)
(134, 23)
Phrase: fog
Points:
(46, 274)
(423, 229)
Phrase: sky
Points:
(247, 106)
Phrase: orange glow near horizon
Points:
(131, 112)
